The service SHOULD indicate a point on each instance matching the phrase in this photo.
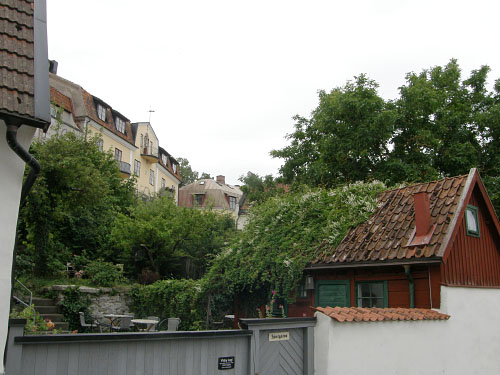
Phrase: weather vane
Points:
(150, 111)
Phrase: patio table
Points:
(114, 319)
(149, 323)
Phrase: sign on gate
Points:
(226, 363)
(279, 336)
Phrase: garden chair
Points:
(93, 324)
(124, 325)
(173, 324)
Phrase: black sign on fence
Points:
(226, 363)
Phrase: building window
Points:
(142, 141)
(151, 177)
(174, 167)
(332, 293)
(371, 294)
(472, 221)
(164, 159)
(163, 183)
(118, 154)
(198, 200)
(100, 144)
(232, 203)
(120, 125)
(137, 168)
(101, 112)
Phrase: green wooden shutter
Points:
(332, 293)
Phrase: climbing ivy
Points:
(283, 236)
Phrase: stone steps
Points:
(48, 310)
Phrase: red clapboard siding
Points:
(474, 261)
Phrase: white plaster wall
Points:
(467, 343)
(11, 172)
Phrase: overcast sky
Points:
(225, 78)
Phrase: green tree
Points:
(169, 240)
(258, 189)
(73, 202)
(345, 139)
(187, 174)
(436, 130)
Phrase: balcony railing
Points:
(150, 152)
(124, 167)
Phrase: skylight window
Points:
(202, 182)
(471, 221)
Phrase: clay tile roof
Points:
(385, 235)
(16, 57)
(375, 314)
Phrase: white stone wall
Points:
(11, 179)
(467, 343)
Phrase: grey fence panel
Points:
(244, 352)
(289, 353)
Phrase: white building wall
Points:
(11, 170)
(467, 343)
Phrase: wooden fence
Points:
(225, 352)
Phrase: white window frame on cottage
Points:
(101, 112)
(120, 125)
(472, 221)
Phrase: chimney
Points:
(221, 179)
(422, 213)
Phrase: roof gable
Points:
(385, 236)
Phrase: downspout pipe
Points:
(412, 285)
(11, 137)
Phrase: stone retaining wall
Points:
(103, 300)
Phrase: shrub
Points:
(38, 325)
(73, 302)
(103, 273)
(182, 299)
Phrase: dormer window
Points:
(101, 112)
(174, 167)
(164, 159)
(472, 221)
(120, 125)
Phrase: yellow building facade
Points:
(135, 146)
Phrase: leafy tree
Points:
(187, 174)
(345, 139)
(172, 241)
(73, 202)
(283, 236)
(436, 130)
(258, 189)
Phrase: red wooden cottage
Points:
(422, 237)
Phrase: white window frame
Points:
(120, 125)
(137, 167)
(152, 177)
(101, 112)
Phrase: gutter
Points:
(11, 137)
(412, 285)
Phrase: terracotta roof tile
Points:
(386, 233)
(375, 314)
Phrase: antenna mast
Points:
(150, 111)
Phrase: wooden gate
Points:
(281, 346)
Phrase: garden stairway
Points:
(48, 309)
